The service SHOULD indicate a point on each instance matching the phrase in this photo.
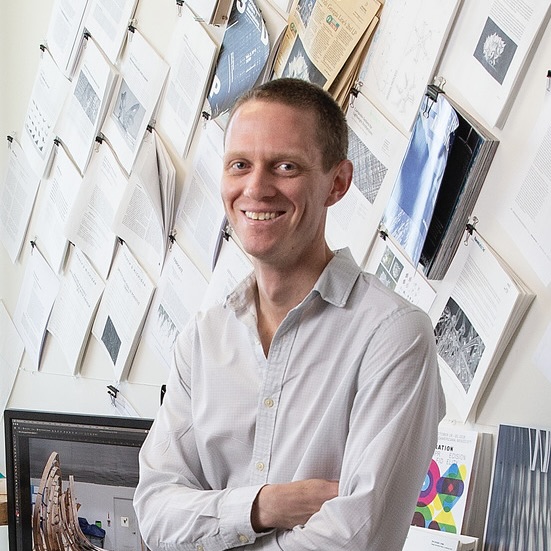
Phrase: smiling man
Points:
(301, 413)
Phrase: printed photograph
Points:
(299, 65)
(111, 339)
(129, 114)
(495, 51)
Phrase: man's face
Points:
(274, 189)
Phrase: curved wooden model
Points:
(55, 520)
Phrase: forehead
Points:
(271, 124)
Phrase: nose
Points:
(259, 184)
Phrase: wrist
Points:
(260, 520)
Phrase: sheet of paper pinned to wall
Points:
(402, 56)
(45, 105)
(143, 73)
(107, 22)
(34, 304)
(11, 353)
(542, 355)
(491, 47)
(74, 308)
(192, 52)
(526, 215)
(17, 195)
(178, 296)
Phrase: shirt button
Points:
(269, 403)
(243, 538)
(200, 548)
(260, 466)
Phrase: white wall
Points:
(518, 392)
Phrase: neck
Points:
(280, 290)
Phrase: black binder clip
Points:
(99, 141)
(163, 392)
(383, 234)
(354, 91)
(206, 117)
(42, 49)
(431, 97)
(113, 391)
(179, 4)
(470, 228)
(10, 140)
(224, 235)
(353, 95)
(171, 239)
(131, 29)
(433, 90)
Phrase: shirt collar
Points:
(336, 281)
(333, 285)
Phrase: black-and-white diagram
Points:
(390, 269)
(369, 172)
(458, 343)
(168, 330)
(37, 127)
(87, 97)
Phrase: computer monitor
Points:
(100, 452)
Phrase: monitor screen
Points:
(99, 452)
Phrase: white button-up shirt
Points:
(350, 391)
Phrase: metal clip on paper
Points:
(432, 93)
(470, 228)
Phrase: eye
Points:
(236, 166)
(286, 167)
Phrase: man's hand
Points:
(285, 506)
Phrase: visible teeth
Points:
(261, 215)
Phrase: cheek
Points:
(228, 193)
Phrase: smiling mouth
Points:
(261, 215)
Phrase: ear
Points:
(342, 177)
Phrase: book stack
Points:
(325, 43)
(478, 308)
(454, 496)
(518, 514)
(419, 539)
(471, 153)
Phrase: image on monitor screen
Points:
(98, 453)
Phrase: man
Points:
(302, 413)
